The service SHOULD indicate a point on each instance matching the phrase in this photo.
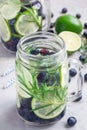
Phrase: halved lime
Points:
(26, 24)
(10, 9)
(72, 40)
(45, 110)
(5, 29)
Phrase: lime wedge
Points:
(72, 40)
(10, 9)
(44, 109)
(5, 29)
(26, 24)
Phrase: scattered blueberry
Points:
(85, 34)
(52, 15)
(72, 72)
(42, 76)
(78, 16)
(82, 58)
(12, 22)
(71, 121)
(34, 52)
(85, 77)
(52, 25)
(85, 25)
(50, 30)
(78, 99)
(43, 16)
(64, 10)
(44, 52)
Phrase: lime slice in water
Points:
(10, 9)
(45, 110)
(72, 40)
(26, 24)
(5, 29)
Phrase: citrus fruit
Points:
(26, 24)
(10, 9)
(68, 23)
(5, 29)
(72, 40)
(44, 112)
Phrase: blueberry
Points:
(52, 25)
(72, 72)
(64, 10)
(78, 16)
(85, 77)
(82, 58)
(34, 52)
(52, 15)
(43, 16)
(85, 34)
(50, 30)
(85, 25)
(71, 121)
(78, 99)
(44, 51)
(12, 22)
(42, 76)
(37, 5)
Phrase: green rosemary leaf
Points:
(54, 109)
(41, 107)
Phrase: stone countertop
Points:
(9, 119)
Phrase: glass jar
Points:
(21, 17)
(42, 78)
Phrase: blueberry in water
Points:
(85, 34)
(85, 77)
(71, 121)
(12, 22)
(34, 52)
(44, 51)
(82, 58)
(64, 10)
(37, 5)
(42, 76)
(72, 72)
(78, 16)
(85, 25)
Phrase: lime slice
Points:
(26, 24)
(44, 112)
(72, 40)
(22, 91)
(10, 9)
(5, 29)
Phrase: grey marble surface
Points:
(9, 119)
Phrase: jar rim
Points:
(40, 34)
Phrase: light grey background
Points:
(9, 119)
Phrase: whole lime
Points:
(68, 23)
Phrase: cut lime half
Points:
(44, 110)
(5, 29)
(26, 24)
(10, 9)
(72, 40)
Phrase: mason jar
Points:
(21, 17)
(42, 78)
